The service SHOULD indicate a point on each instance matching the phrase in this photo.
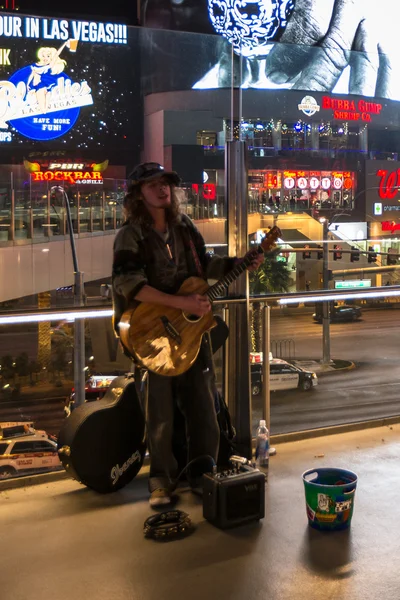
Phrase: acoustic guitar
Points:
(167, 340)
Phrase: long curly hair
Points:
(135, 209)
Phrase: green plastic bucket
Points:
(329, 498)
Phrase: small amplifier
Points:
(235, 496)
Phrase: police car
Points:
(25, 450)
(338, 314)
(283, 376)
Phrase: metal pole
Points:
(11, 231)
(79, 324)
(266, 383)
(232, 94)
(239, 346)
(79, 342)
(326, 340)
(225, 383)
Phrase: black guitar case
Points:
(102, 443)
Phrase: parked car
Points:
(283, 376)
(342, 313)
(33, 451)
(95, 388)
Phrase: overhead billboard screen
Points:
(339, 46)
(62, 80)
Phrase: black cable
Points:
(213, 463)
(168, 525)
(173, 524)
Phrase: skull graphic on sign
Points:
(249, 25)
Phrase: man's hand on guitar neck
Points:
(258, 259)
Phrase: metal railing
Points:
(227, 303)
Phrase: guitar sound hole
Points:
(191, 318)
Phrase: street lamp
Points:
(79, 300)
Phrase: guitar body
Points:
(162, 339)
(101, 444)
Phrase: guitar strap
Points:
(200, 272)
(196, 259)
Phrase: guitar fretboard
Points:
(219, 288)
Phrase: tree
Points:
(271, 277)
(22, 364)
(34, 367)
(7, 367)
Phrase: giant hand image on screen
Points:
(341, 46)
(50, 73)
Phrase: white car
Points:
(283, 376)
(31, 452)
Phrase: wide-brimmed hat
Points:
(151, 170)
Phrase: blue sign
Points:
(41, 101)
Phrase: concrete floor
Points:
(60, 540)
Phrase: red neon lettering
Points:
(389, 184)
(369, 107)
(70, 176)
(346, 116)
(390, 226)
(209, 192)
(326, 102)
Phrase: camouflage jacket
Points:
(142, 257)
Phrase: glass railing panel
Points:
(37, 388)
(5, 225)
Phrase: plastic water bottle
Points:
(262, 446)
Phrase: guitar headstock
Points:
(270, 239)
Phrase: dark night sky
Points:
(124, 10)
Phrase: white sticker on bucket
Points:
(343, 506)
(323, 502)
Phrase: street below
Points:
(370, 391)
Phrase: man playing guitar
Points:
(155, 251)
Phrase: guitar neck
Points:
(219, 288)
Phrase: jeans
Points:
(194, 392)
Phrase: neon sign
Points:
(289, 183)
(389, 183)
(41, 101)
(390, 226)
(349, 110)
(309, 106)
(209, 190)
(302, 183)
(326, 183)
(61, 29)
(79, 177)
